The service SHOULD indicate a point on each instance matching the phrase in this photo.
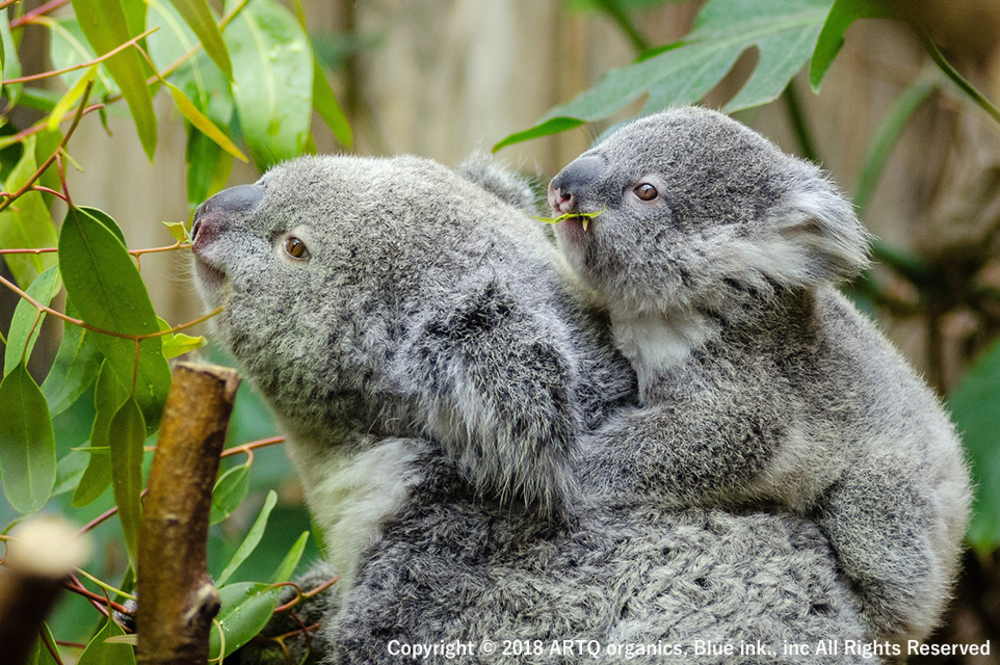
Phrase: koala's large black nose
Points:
(242, 198)
(565, 187)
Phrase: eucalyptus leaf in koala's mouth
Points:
(584, 217)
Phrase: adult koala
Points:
(438, 371)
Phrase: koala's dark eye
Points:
(646, 192)
(296, 248)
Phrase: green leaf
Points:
(273, 74)
(135, 16)
(42, 655)
(201, 121)
(783, 32)
(973, 406)
(246, 609)
(100, 652)
(287, 567)
(329, 108)
(199, 16)
(26, 322)
(109, 396)
(77, 364)
(176, 344)
(46, 143)
(105, 25)
(69, 471)
(70, 99)
(550, 126)
(68, 48)
(230, 490)
(27, 442)
(126, 436)
(252, 539)
(208, 168)
(27, 223)
(109, 293)
(831, 37)
(178, 231)
(9, 64)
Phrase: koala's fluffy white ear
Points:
(818, 238)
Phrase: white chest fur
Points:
(654, 343)
(349, 495)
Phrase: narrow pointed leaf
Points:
(27, 223)
(69, 48)
(202, 123)
(27, 442)
(273, 75)
(26, 322)
(252, 539)
(246, 609)
(9, 65)
(551, 126)
(287, 567)
(69, 471)
(325, 102)
(105, 25)
(107, 290)
(230, 490)
(199, 16)
(42, 654)
(69, 100)
(126, 436)
(109, 396)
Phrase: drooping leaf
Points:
(273, 74)
(69, 471)
(109, 294)
(287, 567)
(106, 27)
(246, 609)
(252, 539)
(69, 100)
(551, 126)
(109, 396)
(27, 442)
(325, 102)
(230, 490)
(42, 655)
(101, 652)
(126, 436)
(199, 16)
(135, 16)
(201, 122)
(46, 143)
(783, 32)
(27, 223)
(973, 405)
(76, 365)
(831, 38)
(176, 344)
(26, 323)
(208, 168)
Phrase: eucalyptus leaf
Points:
(27, 442)
(107, 290)
(273, 74)
(106, 26)
(26, 323)
(199, 17)
(76, 366)
(10, 65)
(230, 490)
(126, 436)
(101, 652)
(27, 223)
(831, 38)
(69, 48)
(109, 396)
(287, 567)
(252, 539)
(246, 609)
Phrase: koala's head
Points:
(697, 210)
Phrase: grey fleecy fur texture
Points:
(439, 372)
(759, 382)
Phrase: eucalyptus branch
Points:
(42, 125)
(48, 162)
(110, 54)
(40, 11)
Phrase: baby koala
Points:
(716, 256)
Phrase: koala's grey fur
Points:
(441, 377)
(759, 381)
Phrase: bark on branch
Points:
(177, 600)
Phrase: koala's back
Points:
(453, 568)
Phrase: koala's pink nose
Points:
(574, 181)
(561, 202)
(215, 212)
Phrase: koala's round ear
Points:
(819, 237)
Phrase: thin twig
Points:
(110, 54)
(953, 74)
(40, 11)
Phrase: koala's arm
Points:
(701, 445)
(496, 381)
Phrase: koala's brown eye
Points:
(646, 192)
(296, 248)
